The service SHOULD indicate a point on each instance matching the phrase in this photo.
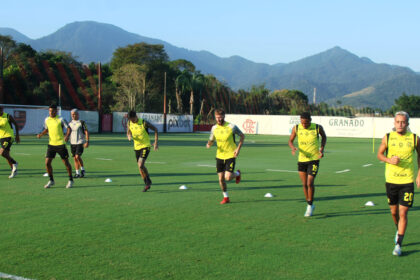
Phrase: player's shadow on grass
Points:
(351, 213)
(336, 197)
(407, 253)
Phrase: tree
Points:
(408, 103)
(130, 80)
(182, 84)
(196, 84)
(140, 54)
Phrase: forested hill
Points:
(339, 76)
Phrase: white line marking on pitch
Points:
(205, 165)
(157, 162)
(23, 154)
(104, 158)
(14, 277)
(342, 171)
(280, 170)
(366, 165)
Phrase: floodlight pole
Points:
(1, 76)
(164, 104)
(99, 96)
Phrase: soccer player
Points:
(227, 151)
(6, 139)
(53, 125)
(79, 139)
(309, 155)
(397, 151)
(137, 130)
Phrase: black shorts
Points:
(6, 143)
(61, 150)
(309, 167)
(142, 153)
(76, 149)
(402, 194)
(223, 165)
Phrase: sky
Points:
(268, 31)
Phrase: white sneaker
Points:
(14, 171)
(49, 184)
(309, 210)
(397, 250)
(69, 184)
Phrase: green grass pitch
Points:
(101, 230)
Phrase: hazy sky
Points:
(269, 31)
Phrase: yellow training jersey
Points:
(402, 146)
(224, 136)
(139, 133)
(6, 129)
(308, 142)
(55, 130)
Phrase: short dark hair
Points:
(305, 116)
(53, 106)
(132, 114)
(219, 112)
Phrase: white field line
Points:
(14, 277)
(366, 165)
(157, 162)
(205, 165)
(343, 171)
(280, 170)
(104, 158)
(23, 154)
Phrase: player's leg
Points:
(310, 190)
(64, 154)
(79, 152)
(229, 172)
(223, 187)
(5, 145)
(48, 166)
(304, 179)
(141, 156)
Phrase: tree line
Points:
(137, 78)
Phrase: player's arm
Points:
(241, 141)
(418, 164)
(129, 135)
(291, 139)
(45, 131)
(210, 142)
(381, 153)
(12, 120)
(68, 131)
(152, 127)
(323, 141)
(85, 129)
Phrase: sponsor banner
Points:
(365, 127)
(31, 121)
(179, 123)
(119, 120)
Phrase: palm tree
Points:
(196, 83)
(182, 83)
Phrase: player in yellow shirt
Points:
(310, 153)
(53, 125)
(397, 151)
(7, 138)
(227, 151)
(137, 131)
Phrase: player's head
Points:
(219, 115)
(132, 116)
(305, 119)
(52, 110)
(74, 114)
(401, 122)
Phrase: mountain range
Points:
(339, 76)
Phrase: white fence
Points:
(31, 121)
(364, 127)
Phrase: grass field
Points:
(101, 230)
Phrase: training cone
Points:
(268, 195)
(108, 180)
(369, 203)
(183, 187)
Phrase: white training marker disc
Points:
(108, 180)
(369, 203)
(45, 175)
(183, 187)
(268, 195)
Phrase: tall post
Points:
(314, 96)
(100, 97)
(59, 99)
(164, 104)
(1, 76)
